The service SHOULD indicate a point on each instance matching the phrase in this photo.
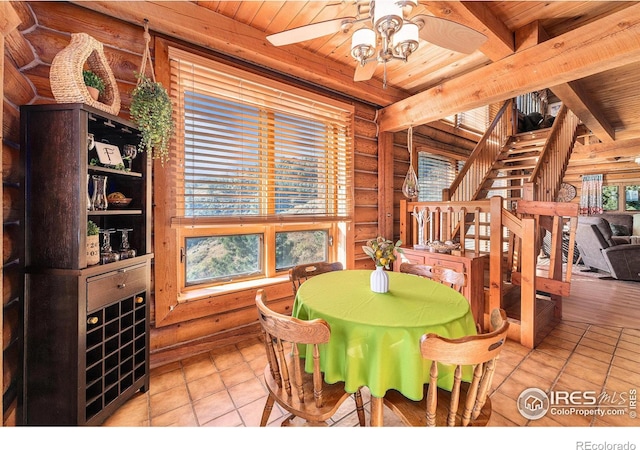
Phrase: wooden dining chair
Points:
(301, 394)
(466, 403)
(452, 278)
(302, 272)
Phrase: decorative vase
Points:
(379, 280)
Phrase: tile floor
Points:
(223, 387)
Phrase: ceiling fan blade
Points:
(311, 31)
(364, 73)
(448, 34)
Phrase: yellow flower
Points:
(382, 251)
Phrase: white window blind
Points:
(254, 147)
(474, 120)
(435, 173)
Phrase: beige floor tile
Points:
(231, 419)
(628, 354)
(203, 387)
(167, 400)
(537, 365)
(179, 417)
(521, 380)
(625, 363)
(237, 374)
(199, 368)
(507, 407)
(134, 413)
(225, 361)
(213, 406)
(252, 351)
(622, 373)
(165, 381)
(607, 331)
(597, 336)
(593, 353)
(247, 392)
(598, 345)
(631, 346)
(251, 413)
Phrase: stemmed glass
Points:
(107, 255)
(126, 251)
(130, 152)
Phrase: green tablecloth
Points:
(375, 338)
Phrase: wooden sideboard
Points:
(472, 264)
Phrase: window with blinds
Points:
(435, 173)
(263, 172)
(260, 150)
(474, 120)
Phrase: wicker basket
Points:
(67, 82)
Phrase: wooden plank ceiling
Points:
(587, 52)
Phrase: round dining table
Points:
(375, 337)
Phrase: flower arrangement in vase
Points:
(382, 251)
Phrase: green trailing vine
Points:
(151, 110)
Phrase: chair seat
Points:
(333, 395)
(413, 413)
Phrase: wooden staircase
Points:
(525, 171)
(514, 166)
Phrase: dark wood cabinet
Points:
(86, 327)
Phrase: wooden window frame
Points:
(173, 303)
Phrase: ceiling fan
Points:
(389, 33)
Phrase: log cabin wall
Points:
(42, 29)
(33, 32)
(615, 161)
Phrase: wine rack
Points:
(86, 326)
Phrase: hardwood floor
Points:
(596, 347)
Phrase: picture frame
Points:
(632, 198)
(610, 198)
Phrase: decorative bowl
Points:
(119, 202)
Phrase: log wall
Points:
(32, 34)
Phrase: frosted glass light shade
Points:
(387, 14)
(405, 41)
(363, 44)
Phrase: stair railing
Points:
(544, 182)
(478, 166)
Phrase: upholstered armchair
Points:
(599, 249)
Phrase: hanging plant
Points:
(151, 110)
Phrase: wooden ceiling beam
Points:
(192, 23)
(500, 40)
(582, 104)
(610, 42)
(629, 148)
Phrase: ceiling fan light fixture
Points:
(406, 40)
(363, 44)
